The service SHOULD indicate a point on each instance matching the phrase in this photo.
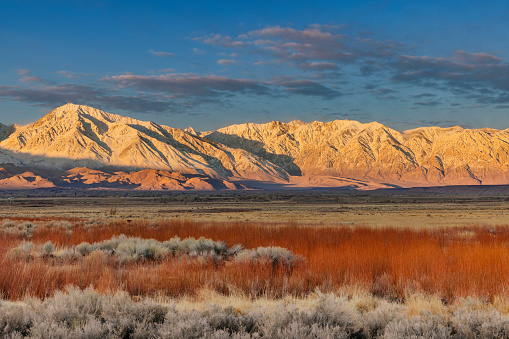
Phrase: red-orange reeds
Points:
(451, 263)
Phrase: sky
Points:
(209, 64)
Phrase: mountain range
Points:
(80, 146)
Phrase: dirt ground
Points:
(341, 209)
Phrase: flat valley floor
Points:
(307, 208)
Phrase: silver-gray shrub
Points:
(60, 224)
(25, 229)
(88, 314)
(7, 223)
(374, 322)
(47, 249)
(480, 324)
(124, 318)
(14, 319)
(23, 251)
(427, 325)
(84, 248)
(131, 249)
(93, 222)
(277, 256)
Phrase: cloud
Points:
(308, 88)
(23, 72)
(53, 96)
(190, 84)
(198, 51)
(308, 35)
(166, 70)
(382, 91)
(481, 58)
(73, 75)
(315, 48)
(461, 71)
(182, 86)
(478, 76)
(160, 54)
(319, 66)
(222, 40)
(321, 49)
(424, 95)
(31, 78)
(26, 77)
(226, 62)
(427, 103)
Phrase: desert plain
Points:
(329, 208)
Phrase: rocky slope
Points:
(374, 152)
(12, 177)
(80, 136)
(108, 150)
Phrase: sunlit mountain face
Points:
(80, 145)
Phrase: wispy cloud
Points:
(427, 103)
(26, 77)
(160, 54)
(23, 72)
(308, 88)
(73, 75)
(424, 95)
(226, 62)
(222, 40)
(315, 48)
(30, 78)
(189, 84)
(319, 66)
(52, 96)
(192, 85)
(479, 76)
(198, 51)
(323, 50)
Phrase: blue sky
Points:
(208, 64)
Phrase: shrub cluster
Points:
(24, 229)
(274, 255)
(134, 249)
(87, 314)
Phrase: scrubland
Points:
(313, 208)
(68, 277)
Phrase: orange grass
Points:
(391, 263)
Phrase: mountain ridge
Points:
(294, 153)
(372, 151)
(81, 136)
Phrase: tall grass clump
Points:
(180, 257)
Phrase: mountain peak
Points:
(82, 136)
(73, 110)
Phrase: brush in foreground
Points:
(87, 314)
